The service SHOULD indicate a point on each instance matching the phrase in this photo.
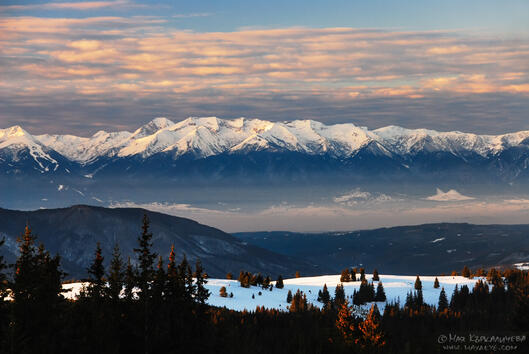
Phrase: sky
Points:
(79, 67)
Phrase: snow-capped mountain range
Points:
(204, 137)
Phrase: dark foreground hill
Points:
(425, 249)
(73, 232)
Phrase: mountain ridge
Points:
(73, 232)
(209, 136)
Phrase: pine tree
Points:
(279, 282)
(37, 297)
(115, 274)
(299, 302)
(436, 283)
(202, 294)
(96, 273)
(418, 283)
(443, 301)
(371, 337)
(145, 260)
(419, 299)
(465, 272)
(339, 295)
(130, 281)
(454, 301)
(362, 274)
(25, 268)
(381, 294)
(298, 275)
(159, 282)
(175, 284)
(375, 275)
(289, 297)
(325, 296)
(229, 276)
(222, 292)
(266, 282)
(185, 274)
(345, 276)
(345, 323)
(353, 274)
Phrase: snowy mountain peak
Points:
(207, 136)
(153, 126)
(15, 140)
(13, 131)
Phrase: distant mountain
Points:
(425, 249)
(163, 160)
(73, 233)
(200, 138)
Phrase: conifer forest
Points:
(154, 305)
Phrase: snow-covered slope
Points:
(396, 288)
(15, 140)
(203, 137)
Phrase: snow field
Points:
(396, 288)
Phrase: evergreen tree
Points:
(375, 275)
(289, 297)
(36, 291)
(25, 268)
(159, 281)
(345, 323)
(325, 296)
(185, 274)
(229, 276)
(175, 284)
(96, 276)
(299, 302)
(202, 294)
(419, 298)
(266, 282)
(145, 260)
(279, 282)
(298, 275)
(465, 272)
(130, 281)
(454, 300)
(222, 292)
(381, 294)
(418, 283)
(115, 274)
(353, 274)
(339, 295)
(443, 301)
(436, 283)
(345, 276)
(362, 274)
(371, 338)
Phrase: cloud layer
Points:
(112, 71)
(451, 196)
(314, 218)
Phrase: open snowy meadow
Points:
(396, 287)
